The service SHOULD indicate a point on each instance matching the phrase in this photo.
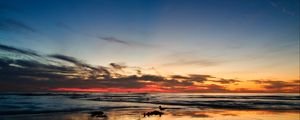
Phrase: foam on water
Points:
(21, 103)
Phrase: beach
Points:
(133, 106)
(135, 114)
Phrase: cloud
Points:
(215, 88)
(201, 62)
(110, 39)
(16, 25)
(72, 60)
(192, 77)
(226, 81)
(16, 50)
(282, 8)
(67, 58)
(35, 75)
(199, 78)
(297, 81)
(207, 88)
(65, 26)
(53, 72)
(60, 72)
(115, 40)
(277, 84)
(190, 58)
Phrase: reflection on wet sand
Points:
(183, 114)
(178, 114)
(58, 106)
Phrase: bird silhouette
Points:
(161, 108)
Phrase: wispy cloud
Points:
(16, 25)
(281, 7)
(110, 39)
(226, 81)
(118, 66)
(278, 85)
(16, 50)
(199, 62)
(190, 58)
(115, 40)
(61, 72)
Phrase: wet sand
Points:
(58, 106)
(169, 114)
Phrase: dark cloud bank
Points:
(26, 70)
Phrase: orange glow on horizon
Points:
(121, 90)
(158, 90)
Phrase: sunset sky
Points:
(149, 45)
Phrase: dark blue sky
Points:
(231, 38)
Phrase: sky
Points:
(149, 45)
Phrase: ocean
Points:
(67, 105)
